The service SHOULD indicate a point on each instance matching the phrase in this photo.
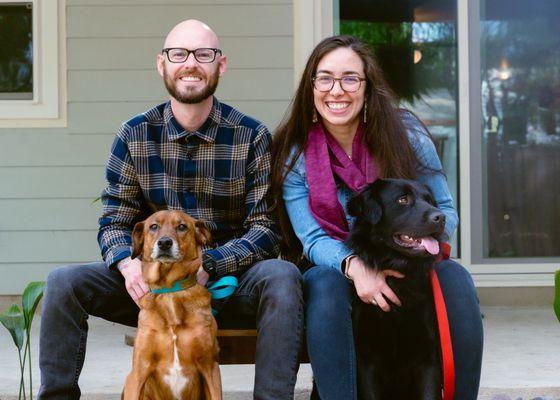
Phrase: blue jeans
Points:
(330, 342)
(269, 293)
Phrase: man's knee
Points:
(283, 279)
(69, 280)
(62, 279)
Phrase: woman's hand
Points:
(371, 285)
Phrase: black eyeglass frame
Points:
(168, 49)
(360, 79)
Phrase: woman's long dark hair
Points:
(385, 135)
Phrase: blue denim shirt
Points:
(318, 246)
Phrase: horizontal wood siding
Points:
(50, 177)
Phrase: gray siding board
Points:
(140, 53)
(60, 247)
(147, 85)
(50, 182)
(150, 21)
(54, 149)
(50, 214)
(21, 274)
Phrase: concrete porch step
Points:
(521, 360)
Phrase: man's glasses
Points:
(202, 55)
(325, 83)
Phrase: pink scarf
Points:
(325, 159)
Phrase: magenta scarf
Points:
(325, 159)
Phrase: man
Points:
(196, 154)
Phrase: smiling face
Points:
(191, 82)
(338, 108)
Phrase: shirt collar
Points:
(208, 131)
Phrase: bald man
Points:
(202, 156)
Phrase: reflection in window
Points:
(416, 45)
(16, 51)
(520, 74)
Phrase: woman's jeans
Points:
(330, 344)
(269, 293)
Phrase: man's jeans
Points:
(269, 293)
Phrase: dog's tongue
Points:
(430, 244)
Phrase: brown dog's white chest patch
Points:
(175, 378)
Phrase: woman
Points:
(344, 130)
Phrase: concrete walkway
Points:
(521, 360)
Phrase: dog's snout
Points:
(165, 243)
(437, 217)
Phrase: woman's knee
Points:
(325, 287)
(455, 280)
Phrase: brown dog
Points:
(175, 350)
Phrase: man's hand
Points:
(371, 285)
(131, 270)
(202, 276)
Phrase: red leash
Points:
(444, 332)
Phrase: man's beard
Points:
(192, 96)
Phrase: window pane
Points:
(520, 74)
(416, 45)
(16, 51)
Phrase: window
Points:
(520, 95)
(31, 80)
(415, 43)
(16, 55)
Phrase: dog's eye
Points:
(153, 227)
(403, 200)
(182, 227)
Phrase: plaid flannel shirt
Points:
(218, 174)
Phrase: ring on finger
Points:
(373, 302)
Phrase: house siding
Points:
(50, 177)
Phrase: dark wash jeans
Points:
(269, 293)
(330, 342)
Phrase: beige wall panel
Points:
(53, 149)
(149, 21)
(21, 274)
(49, 247)
(140, 53)
(51, 182)
(50, 214)
(97, 86)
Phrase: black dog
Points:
(398, 227)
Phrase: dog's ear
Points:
(202, 233)
(137, 239)
(365, 206)
(355, 205)
(374, 212)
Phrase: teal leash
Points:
(219, 290)
(222, 289)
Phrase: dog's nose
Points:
(165, 243)
(437, 217)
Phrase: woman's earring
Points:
(315, 119)
(365, 112)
